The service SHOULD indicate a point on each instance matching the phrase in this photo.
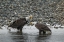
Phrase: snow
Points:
(29, 30)
(26, 29)
(4, 29)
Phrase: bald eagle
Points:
(19, 23)
(41, 27)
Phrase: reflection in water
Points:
(43, 38)
(56, 36)
(17, 36)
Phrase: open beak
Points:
(31, 17)
(31, 23)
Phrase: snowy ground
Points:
(6, 36)
(30, 29)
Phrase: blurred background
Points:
(46, 11)
(50, 12)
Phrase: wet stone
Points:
(13, 8)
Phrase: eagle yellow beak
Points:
(31, 17)
(31, 23)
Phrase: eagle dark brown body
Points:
(18, 24)
(42, 28)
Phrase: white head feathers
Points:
(29, 17)
(33, 23)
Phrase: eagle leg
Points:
(40, 32)
(20, 28)
(44, 32)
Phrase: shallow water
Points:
(30, 35)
